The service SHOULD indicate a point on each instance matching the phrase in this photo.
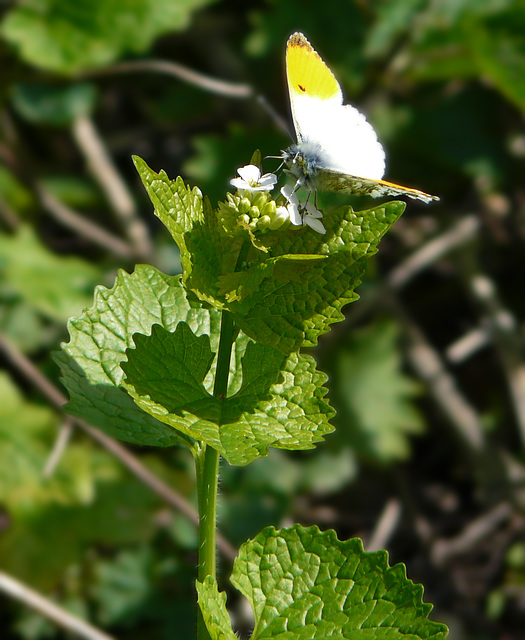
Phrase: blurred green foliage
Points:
(444, 85)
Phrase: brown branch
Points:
(385, 526)
(19, 591)
(213, 85)
(475, 531)
(464, 231)
(428, 364)
(81, 225)
(23, 166)
(103, 169)
(61, 442)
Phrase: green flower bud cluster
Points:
(256, 210)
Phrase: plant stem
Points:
(207, 465)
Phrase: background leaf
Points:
(59, 36)
(375, 397)
(56, 286)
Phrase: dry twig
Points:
(475, 531)
(385, 526)
(117, 193)
(81, 225)
(200, 80)
(464, 231)
(67, 621)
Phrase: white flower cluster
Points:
(298, 214)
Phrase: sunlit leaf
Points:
(304, 583)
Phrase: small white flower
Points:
(293, 206)
(312, 218)
(302, 215)
(289, 193)
(251, 179)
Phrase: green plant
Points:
(211, 360)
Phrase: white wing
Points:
(338, 135)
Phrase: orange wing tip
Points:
(413, 193)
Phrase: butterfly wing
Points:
(338, 136)
(329, 180)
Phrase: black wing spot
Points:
(302, 88)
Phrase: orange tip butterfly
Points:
(337, 148)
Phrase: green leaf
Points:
(279, 403)
(114, 509)
(58, 106)
(57, 286)
(90, 362)
(89, 497)
(289, 293)
(67, 37)
(14, 193)
(392, 19)
(293, 296)
(213, 605)
(304, 583)
(193, 225)
(498, 45)
(375, 397)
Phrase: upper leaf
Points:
(279, 403)
(66, 37)
(292, 283)
(304, 583)
(291, 298)
(193, 225)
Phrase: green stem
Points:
(207, 465)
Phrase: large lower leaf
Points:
(90, 362)
(304, 583)
(279, 403)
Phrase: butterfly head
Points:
(302, 161)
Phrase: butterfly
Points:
(337, 148)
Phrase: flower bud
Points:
(263, 223)
(244, 205)
(269, 208)
(280, 217)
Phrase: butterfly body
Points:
(337, 148)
